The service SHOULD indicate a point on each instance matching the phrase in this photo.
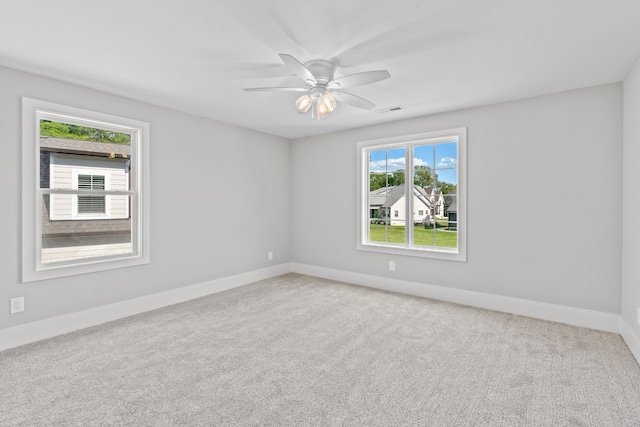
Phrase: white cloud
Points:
(389, 165)
(392, 165)
(447, 162)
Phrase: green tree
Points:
(55, 129)
(423, 176)
(83, 133)
(447, 188)
(397, 177)
(377, 180)
(380, 179)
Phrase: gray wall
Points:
(544, 200)
(631, 199)
(219, 202)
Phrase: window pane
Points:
(71, 240)
(451, 210)
(447, 176)
(423, 165)
(91, 204)
(424, 182)
(75, 160)
(91, 182)
(65, 147)
(435, 177)
(386, 195)
(424, 235)
(435, 237)
(446, 155)
(84, 182)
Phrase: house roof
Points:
(75, 146)
(394, 194)
(388, 196)
(379, 196)
(451, 202)
(432, 191)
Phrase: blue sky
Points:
(443, 155)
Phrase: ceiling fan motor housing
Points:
(322, 70)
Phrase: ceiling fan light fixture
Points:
(322, 112)
(303, 103)
(327, 102)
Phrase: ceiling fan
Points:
(322, 91)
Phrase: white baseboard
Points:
(608, 322)
(631, 338)
(31, 332)
(35, 331)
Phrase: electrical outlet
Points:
(270, 256)
(392, 265)
(17, 305)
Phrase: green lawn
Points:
(421, 236)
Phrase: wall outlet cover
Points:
(17, 305)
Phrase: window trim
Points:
(362, 212)
(32, 268)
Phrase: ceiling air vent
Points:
(390, 109)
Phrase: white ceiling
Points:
(196, 56)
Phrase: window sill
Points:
(434, 253)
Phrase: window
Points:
(435, 187)
(85, 191)
(91, 204)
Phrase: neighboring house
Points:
(451, 210)
(436, 198)
(82, 219)
(388, 205)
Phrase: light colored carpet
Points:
(302, 351)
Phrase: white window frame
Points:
(407, 142)
(33, 110)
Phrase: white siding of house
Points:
(64, 170)
(439, 205)
(120, 181)
(400, 206)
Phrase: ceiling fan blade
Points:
(359, 79)
(351, 99)
(299, 69)
(275, 89)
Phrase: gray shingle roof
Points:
(451, 202)
(74, 146)
(388, 196)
